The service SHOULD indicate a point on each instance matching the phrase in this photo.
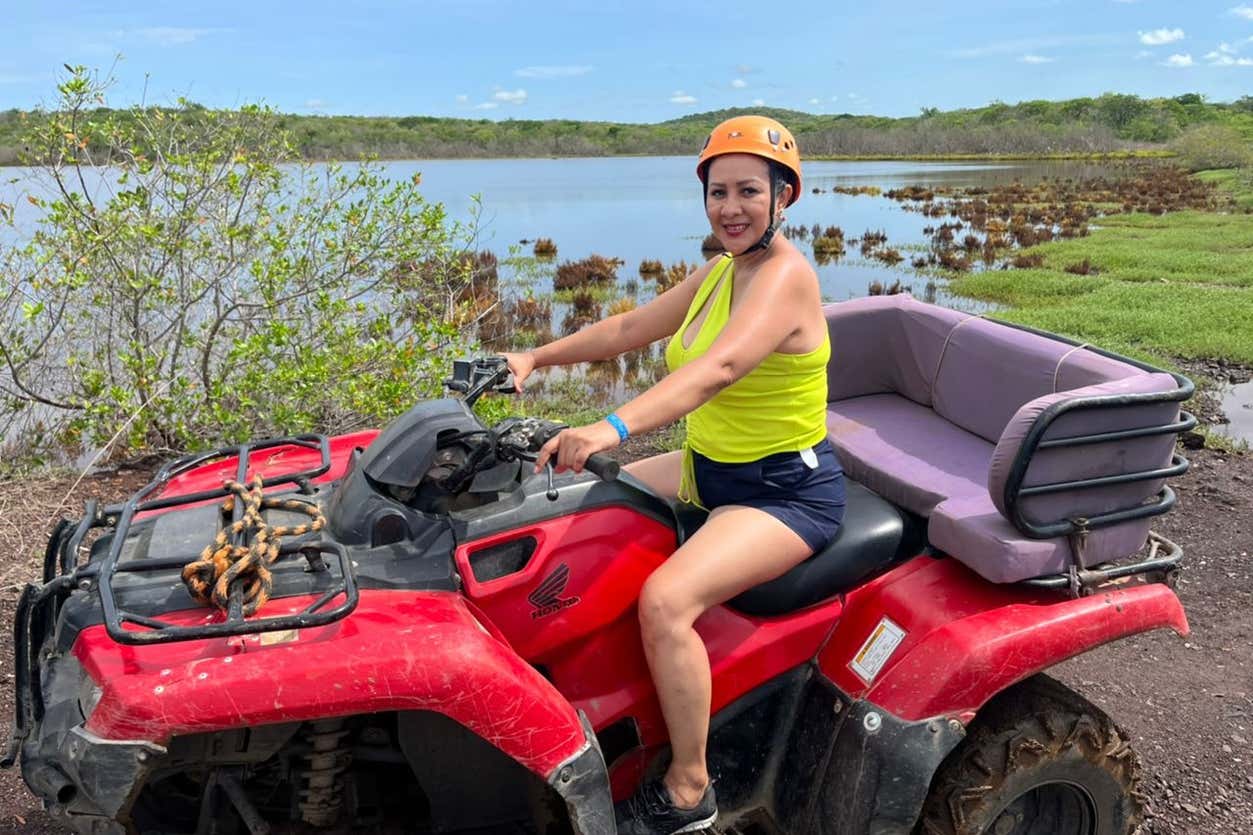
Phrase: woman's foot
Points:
(651, 811)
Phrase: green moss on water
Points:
(1176, 285)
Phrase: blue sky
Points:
(639, 61)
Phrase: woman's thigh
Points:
(660, 472)
(735, 549)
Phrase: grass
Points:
(1180, 247)
(1176, 285)
(1237, 181)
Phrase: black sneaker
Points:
(650, 811)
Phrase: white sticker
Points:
(877, 649)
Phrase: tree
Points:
(189, 285)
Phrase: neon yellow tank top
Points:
(779, 406)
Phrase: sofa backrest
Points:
(974, 372)
(886, 345)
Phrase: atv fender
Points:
(965, 639)
(399, 650)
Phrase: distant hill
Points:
(1108, 123)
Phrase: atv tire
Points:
(1038, 760)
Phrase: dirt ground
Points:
(1186, 702)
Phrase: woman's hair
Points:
(780, 176)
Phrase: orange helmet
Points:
(757, 135)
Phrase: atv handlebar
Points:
(601, 465)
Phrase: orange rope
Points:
(221, 565)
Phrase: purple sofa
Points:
(999, 435)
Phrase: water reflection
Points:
(1237, 405)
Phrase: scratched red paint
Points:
(400, 650)
(969, 639)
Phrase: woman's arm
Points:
(765, 318)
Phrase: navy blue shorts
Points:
(810, 501)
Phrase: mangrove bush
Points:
(190, 283)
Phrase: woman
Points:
(747, 357)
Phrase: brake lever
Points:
(551, 494)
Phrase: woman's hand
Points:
(570, 448)
(520, 365)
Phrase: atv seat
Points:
(874, 537)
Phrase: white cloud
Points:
(1178, 60)
(1144, 53)
(315, 104)
(562, 71)
(680, 97)
(486, 105)
(510, 96)
(462, 98)
(1161, 36)
(1032, 45)
(172, 35)
(1227, 59)
(815, 101)
(739, 84)
(759, 102)
(835, 98)
(1245, 11)
(1036, 59)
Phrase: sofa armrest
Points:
(1091, 457)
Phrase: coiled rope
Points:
(222, 565)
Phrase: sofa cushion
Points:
(988, 370)
(972, 530)
(886, 345)
(906, 452)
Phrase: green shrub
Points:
(189, 285)
(1213, 146)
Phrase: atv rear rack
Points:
(158, 630)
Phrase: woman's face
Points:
(737, 200)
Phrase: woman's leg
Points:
(736, 549)
(660, 472)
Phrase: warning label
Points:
(878, 648)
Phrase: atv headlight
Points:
(89, 694)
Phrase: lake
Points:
(637, 208)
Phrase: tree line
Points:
(1107, 123)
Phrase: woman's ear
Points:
(785, 197)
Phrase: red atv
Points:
(458, 649)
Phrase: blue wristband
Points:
(616, 423)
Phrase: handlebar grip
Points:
(602, 465)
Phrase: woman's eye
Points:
(717, 192)
(749, 192)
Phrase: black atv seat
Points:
(875, 536)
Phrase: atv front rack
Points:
(63, 549)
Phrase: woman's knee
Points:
(664, 609)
